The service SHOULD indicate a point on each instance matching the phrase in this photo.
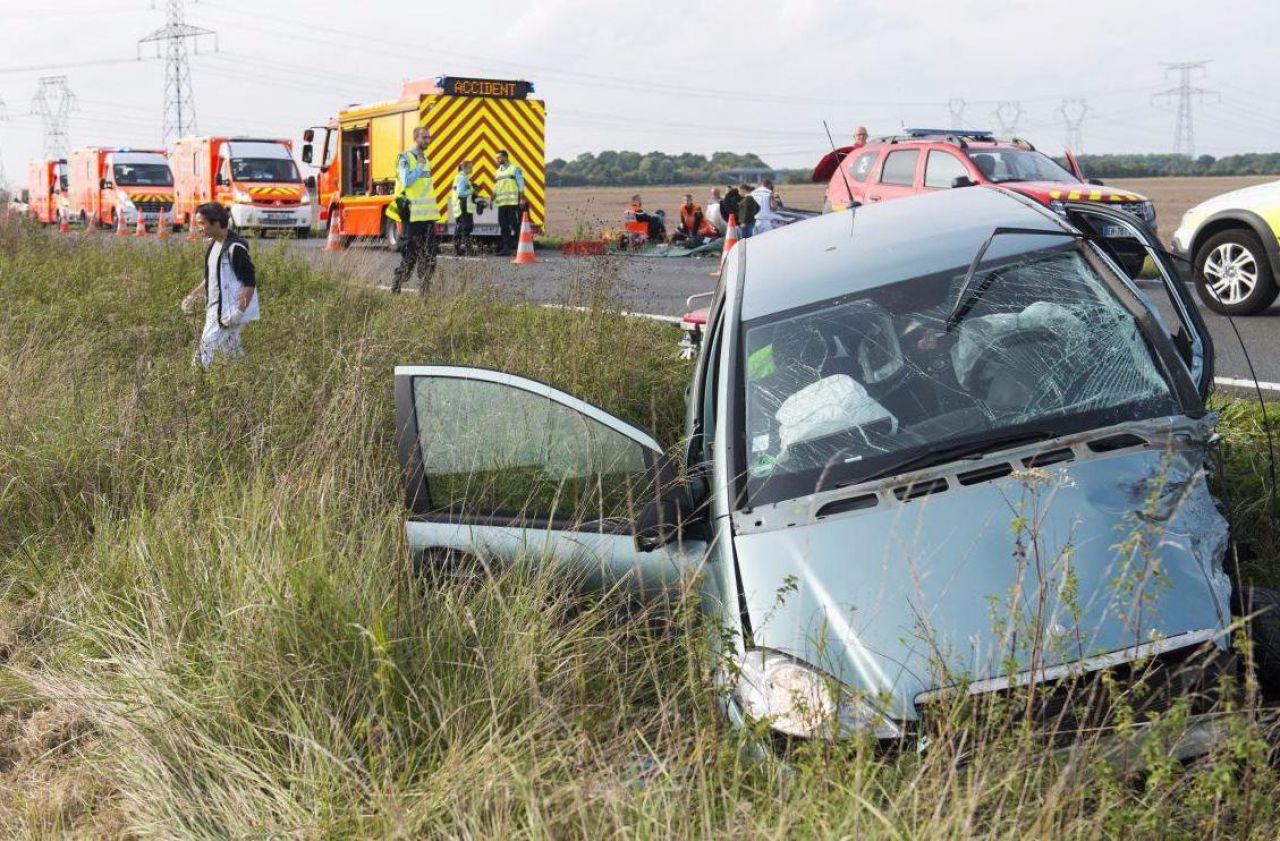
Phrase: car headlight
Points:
(1058, 207)
(1149, 210)
(241, 196)
(125, 201)
(797, 700)
(306, 198)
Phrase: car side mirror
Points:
(1097, 182)
(311, 182)
(961, 181)
(103, 184)
(220, 180)
(308, 135)
(306, 153)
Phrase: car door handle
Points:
(873, 197)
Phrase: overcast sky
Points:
(749, 75)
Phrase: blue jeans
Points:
(746, 229)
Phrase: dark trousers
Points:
(508, 228)
(421, 247)
(462, 233)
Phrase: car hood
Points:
(1259, 196)
(1055, 190)
(1113, 550)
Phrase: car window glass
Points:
(900, 167)
(843, 388)
(490, 449)
(710, 383)
(942, 168)
(861, 166)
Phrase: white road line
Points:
(1239, 383)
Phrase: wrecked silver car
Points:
(943, 447)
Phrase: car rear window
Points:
(900, 167)
(861, 166)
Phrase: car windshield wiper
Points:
(964, 301)
(973, 448)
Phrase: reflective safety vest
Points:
(421, 193)
(690, 218)
(506, 191)
(632, 223)
(459, 205)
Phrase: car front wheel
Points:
(1233, 275)
(391, 233)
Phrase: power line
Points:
(1073, 112)
(1007, 115)
(53, 104)
(1184, 136)
(179, 102)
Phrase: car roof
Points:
(819, 259)
(969, 145)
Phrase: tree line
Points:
(626, 169)
(1152, 166)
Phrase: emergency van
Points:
(47, 190)
(469, 119)
(107, 184)
(255, 178)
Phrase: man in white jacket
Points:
(767, 218)
(229, 287)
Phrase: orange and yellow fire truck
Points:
(469, 119)
(107, 184)
(47, 189)
(255, 178)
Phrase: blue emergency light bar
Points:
(975, 134)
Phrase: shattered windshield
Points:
(1002, 166)
(838, 391)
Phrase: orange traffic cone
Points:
(334, 243)
(162, 227)
(192, 233)
(730, 240)
(142, 227)
(64, 227)
(91, 226)
(122, 230)
(524, 250)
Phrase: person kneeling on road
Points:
(229, 288)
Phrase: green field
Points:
(210, 627)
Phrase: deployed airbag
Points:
(832, 404)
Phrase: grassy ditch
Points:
(210, 630)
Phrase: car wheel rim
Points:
(1230, 273)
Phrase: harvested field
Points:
(599, 208)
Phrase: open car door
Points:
(1134, 248)
(498, 467)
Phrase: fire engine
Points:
(47, 189)
(106, 185)
(469, 119)
(255, 178)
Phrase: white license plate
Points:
(277, 220)
(484, 231)
(1116, 232)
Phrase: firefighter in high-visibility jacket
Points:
(508, 194)
(414, 206)
(462, 207)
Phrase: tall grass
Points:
(211, 629)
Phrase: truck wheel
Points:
(391, 233)
(1233, 275)
(1263, 605)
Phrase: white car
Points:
(1233, 243)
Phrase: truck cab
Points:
(255, 178)
(109, 186)
(47, 190)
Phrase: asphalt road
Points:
(660, 286)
